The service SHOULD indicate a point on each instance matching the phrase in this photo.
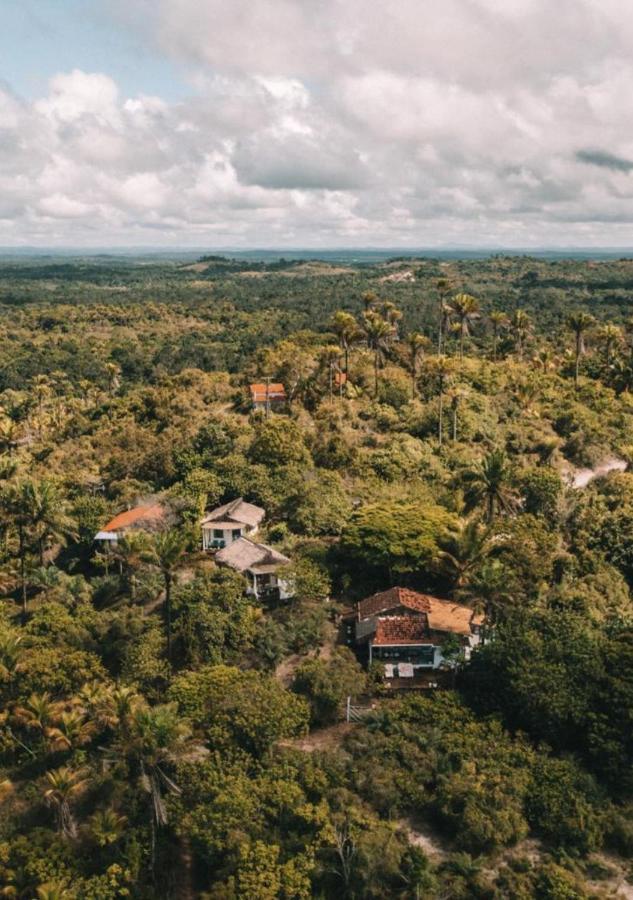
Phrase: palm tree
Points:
(544, 359)
(165, 553)
(520, 325)
(106, 827)
(346, 329)
(489, 591)
(10, 653)
(622, 374)
(609, 338)
(488, 484)
(456, 397)
(44, 509)
(9, 435)
(14, 501)
(443, 289)
(369, 298)
(499, 321)
(579, 323)
(330, 357)
(392, 315)
(466, 308)
(377, 331)
(462, 552)
(417, 344)
(152, 740)
(63, 785)
(128, 553)
(441, 368)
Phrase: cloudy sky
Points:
(316, 123)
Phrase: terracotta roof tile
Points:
(152, 513)
(392, 599)
(401, 630)
(442, 615)
(275, 392)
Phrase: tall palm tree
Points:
(456, 397)
(392, 315)
(165, 553)
(499, 321)
(521, 326)
(579, 323)
(127, 552)
(417, 344)
(443, 286)
(466, 308)
(63, 785)
(488, 484)
(152, 740)
(377, 331)
(345, 327)
(440, 368)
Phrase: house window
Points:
(422, 655)
(218, 533)
(237, 533)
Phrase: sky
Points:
(316, 123)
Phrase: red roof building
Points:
(407, 629)
(148, 517)
(262, 394)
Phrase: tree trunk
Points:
(22, 555)
(376, 374)
(168, 611)
(441, 418)
(439, 333)
(461, 341)
(454, 424)
(494, 345)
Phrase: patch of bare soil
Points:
(195, 267)
(322, 739)
(421, 836)
(614, 884)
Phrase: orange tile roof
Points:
(392, 599)
(401, 630)
(154, 512)
(447, 616)
(441, 615)
(275, 392)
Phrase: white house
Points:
(260, 564)
(228, 523)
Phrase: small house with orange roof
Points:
(267, 395)
(406, 630)
(147, 517)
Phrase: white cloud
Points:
(469, 121)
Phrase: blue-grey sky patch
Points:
(604, 160)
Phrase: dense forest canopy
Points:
(458, 427)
